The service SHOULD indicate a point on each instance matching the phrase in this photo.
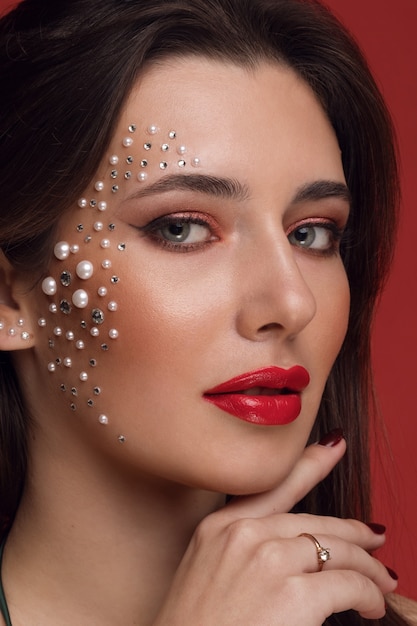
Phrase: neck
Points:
(97, 549)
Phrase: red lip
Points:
(263, 409)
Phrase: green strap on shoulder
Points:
(3, 604)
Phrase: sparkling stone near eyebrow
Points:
(112, 226)
(87, 239)
(104, 347)
(144, 163)
(129, 160)
(121, 246)
(93, 203)
(165, 147)
(73, 406)
(132, 128)
(128, 175)
(90, 402)
(181, 163)
(80, 228)
(83, 324)
(114, 279)
(97, 391)
(63, 387)
(74, 391)
(93, 362)
(113, 174)
(172, 134)
(163, 165)
(147, 146)
(115, 188)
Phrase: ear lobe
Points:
(16, 331)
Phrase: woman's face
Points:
(211, 251)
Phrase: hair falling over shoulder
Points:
(64, 82)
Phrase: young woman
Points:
(197, 214)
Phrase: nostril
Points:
(269, 327)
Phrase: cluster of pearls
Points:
(14, 332)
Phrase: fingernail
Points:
(378, 529)
(392, 573)
(332, 438)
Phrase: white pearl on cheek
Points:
(83, 376)
(62, 250)
(49, 286)
(74, 248)
(102, 206)
(114, 159)
(80, 299)
(112, 306)
(181, 149)
(42, 322)
(94, 332)
(67, 362)
(152, 129)
(84, 270)
(127, 142)
(82, 203)
(105, 243)
(103, 419)
(142, 176)
(102, 291)
(106, 264)
(99, 185)
(53, 308)
(113, 333)
(98, 226)
(70, 335)
(51, 367)
(80, 345)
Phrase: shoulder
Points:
(405, 607)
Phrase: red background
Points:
(386, 32)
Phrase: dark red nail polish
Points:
(332, 438)
(378, 529)
(392, 573)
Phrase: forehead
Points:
(228, 117)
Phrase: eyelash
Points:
(154, 228)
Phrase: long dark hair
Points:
(67, 67)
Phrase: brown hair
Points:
(67, 67)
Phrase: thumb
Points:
(316, 462)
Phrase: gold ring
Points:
(323, 554)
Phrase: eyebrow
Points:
(320, 190)
(210, 185)
(230, 188)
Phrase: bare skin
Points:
(136, 532)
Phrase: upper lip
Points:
(264, 380)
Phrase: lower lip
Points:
(262, 410)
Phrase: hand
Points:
(246, 564)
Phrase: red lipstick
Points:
(268, 397)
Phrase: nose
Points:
(274, 296)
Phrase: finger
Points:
(336, 591)
(316, 463)
(343, 555)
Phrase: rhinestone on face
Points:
(93, 362)
(90, 402)
(104, 347)
(80, 228)
(165, 147)
(63, 387)
(112, 227)
(66, 279)
(121, 246)
(144, 163)
(128, 175)
(147, 146)
(172, 134)
(74, 391)
(65, 307)
(88, 239)
(25, 335)
(115, 188)
(93, 203)
(132, 128)
(83, 324)
(181, 163)
(97, 316)
(129, 160)
(113, 174)
(73, 406)
(121, 439)
(114, 280)
(163, 165)
(97, 391)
